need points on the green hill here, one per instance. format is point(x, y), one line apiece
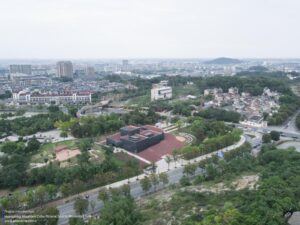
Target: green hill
point(224, 60)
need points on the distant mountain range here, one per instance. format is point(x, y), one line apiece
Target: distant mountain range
point(224, 60)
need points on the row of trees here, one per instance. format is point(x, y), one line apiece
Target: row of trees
point(211, 145)
point(62, 182)
point(153, 181)
point(119, 208)
point(95, 126)
point(232, 163)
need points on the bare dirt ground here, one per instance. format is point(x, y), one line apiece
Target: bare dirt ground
point(249, 181)
point(67, 154)
point(157, 205)
point(179, 138)
point(94, 154)
point(163, 195)
point(239, 184)
point(246, 182)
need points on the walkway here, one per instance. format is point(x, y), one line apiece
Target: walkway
point(162, 165)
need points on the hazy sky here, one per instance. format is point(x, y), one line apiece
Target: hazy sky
point(149, 28)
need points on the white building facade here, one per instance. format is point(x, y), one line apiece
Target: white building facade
point(161, 91)
point(41, 98)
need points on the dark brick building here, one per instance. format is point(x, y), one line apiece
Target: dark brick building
point(136, 139)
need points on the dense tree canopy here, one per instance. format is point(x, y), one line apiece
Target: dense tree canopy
point(252, 84)
point(31, 125)
point(266, 138)
point(94, 126)
point(220, 114)
point(6, 94)
point(219, 141)
point(202, 129)
point(120, 210)
point(275, 135)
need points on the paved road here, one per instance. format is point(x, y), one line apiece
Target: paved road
point(289, 126)
point(255, 141)
point(67, 209)
point(284, 132)
point(136, 191)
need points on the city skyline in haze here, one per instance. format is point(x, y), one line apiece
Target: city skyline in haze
point(149, 29)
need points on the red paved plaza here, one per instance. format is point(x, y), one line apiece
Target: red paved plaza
point(166, 146)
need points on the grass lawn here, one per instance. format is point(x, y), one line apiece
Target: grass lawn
point(69, 162)
point(47, 150)
point(97, 153)
point(143, 100)
point(122, 158)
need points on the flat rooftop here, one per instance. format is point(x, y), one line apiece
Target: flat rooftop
point(130, 127)
point(134, 138)
point(147, 132)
